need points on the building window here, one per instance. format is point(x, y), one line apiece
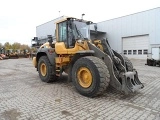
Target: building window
point(134, 52)
point(125, 52)
point(129, 52)
point(145, 52)
point(139, 52)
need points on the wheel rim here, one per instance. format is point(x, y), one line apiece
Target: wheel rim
point(43, 69)
point(84, 77)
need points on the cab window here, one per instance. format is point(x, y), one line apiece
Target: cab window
point(62, 32)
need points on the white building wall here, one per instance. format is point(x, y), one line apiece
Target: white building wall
point(47, 28)
point(147, 22)
point(157, 26)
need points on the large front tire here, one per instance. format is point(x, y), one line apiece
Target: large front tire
point(90, 76)
point(46, 70)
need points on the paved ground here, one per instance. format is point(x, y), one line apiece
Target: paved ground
point(24, 97)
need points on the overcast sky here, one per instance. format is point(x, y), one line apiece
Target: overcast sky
point(19, 18)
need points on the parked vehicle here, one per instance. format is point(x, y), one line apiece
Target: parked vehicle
point(153, 58)
point(11, 53)
point(3, 54)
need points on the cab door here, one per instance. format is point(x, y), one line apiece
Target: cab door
point(61, 35)
point(64, 37)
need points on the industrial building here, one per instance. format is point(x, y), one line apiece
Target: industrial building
point(133, 35)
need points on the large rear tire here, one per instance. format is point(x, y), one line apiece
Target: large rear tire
point(90, 76)
point(46, 70)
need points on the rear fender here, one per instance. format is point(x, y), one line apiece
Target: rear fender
point(49, 52)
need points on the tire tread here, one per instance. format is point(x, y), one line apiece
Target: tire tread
point(102, 71)
point(51, 77)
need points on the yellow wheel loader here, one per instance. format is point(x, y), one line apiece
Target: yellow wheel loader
point(90, 64)
point(3, 54)
point(11, 53)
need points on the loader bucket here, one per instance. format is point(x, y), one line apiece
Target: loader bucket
point(121, 78)
point(130, 82)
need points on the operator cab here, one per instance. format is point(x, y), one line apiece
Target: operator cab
point(71, 29)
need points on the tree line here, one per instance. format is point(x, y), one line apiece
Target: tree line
point(15, 46)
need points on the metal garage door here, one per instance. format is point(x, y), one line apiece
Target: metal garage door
point(136, 46)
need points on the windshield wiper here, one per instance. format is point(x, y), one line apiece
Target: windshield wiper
point(79, 33)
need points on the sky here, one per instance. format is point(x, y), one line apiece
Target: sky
point(19, 18)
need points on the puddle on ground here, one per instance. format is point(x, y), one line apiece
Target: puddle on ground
point(58, 100)
point(64, 112)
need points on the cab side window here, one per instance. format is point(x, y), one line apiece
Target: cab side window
point(62, 32)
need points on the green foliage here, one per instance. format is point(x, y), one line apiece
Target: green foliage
point(15, 46)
